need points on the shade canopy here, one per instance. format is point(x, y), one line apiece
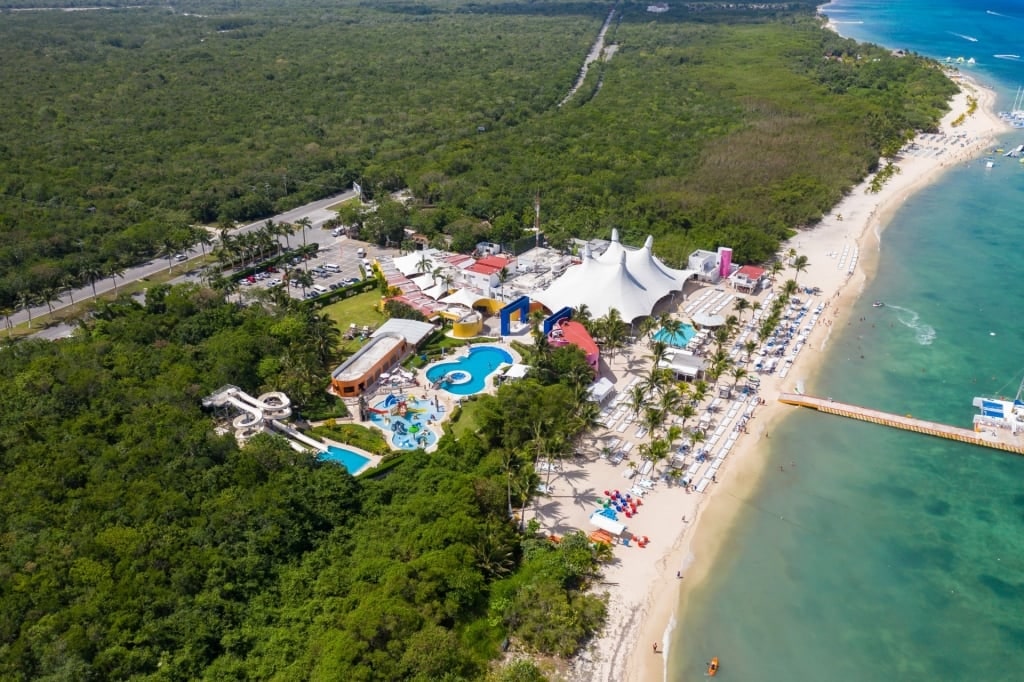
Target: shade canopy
point(629, 280)
point(707, 320)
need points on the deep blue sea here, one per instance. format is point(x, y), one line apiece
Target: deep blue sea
point(878, 554)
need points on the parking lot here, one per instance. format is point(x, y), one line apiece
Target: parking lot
point(336, 264)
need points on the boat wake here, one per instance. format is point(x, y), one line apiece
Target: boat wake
point(961, 35)
point(923, 333)
point(1011, 57)
point(997, 14)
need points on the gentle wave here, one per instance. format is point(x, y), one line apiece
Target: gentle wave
point(961, 35)
point(847, 22)
point(1007, 56)
point(923, 333)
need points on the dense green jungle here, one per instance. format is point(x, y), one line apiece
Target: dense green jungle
point(713, 123)
point(139, 543)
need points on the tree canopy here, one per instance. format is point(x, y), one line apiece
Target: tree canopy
point(710, 124)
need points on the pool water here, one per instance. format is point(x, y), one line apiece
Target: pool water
point(478, 365)
point(408, 420)
point(350, 460)
point(677, 340)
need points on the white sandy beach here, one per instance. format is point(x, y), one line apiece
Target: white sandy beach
point(644, 591)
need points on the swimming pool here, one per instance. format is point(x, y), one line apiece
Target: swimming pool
point(407, 419)
point(468, 374)
point(678, 339)
point(352, 461)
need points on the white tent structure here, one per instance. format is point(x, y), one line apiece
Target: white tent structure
point(463, 297)
point(628, 279)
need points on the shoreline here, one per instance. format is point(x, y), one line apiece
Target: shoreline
point(856, 221)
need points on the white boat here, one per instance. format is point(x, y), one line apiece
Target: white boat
point(1000, 412)
point(878, 304)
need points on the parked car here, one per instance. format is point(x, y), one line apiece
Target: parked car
point(295, 283)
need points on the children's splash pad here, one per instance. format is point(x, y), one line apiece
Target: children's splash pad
point(467, 375)
point(408, 420)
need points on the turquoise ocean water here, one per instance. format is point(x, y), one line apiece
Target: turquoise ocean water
point(878, 554)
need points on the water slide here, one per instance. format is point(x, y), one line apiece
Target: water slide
point(294, 435)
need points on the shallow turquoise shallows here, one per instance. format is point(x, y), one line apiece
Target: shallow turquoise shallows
point(352, 461)
point(479, 364)
point(880, 554)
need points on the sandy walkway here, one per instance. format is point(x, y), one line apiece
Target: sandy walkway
point(644, 590)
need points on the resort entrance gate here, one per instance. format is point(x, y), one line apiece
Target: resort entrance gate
point(555, 318)
point(520, 305)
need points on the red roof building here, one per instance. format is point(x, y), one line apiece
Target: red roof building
point(570, 331)
point(748, 279)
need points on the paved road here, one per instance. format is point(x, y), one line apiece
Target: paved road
point(316, 211)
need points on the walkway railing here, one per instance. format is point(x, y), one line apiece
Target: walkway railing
point(999, 440)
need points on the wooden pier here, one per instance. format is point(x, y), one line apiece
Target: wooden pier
point(999, 440)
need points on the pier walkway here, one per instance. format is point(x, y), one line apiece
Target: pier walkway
point(1000, 439)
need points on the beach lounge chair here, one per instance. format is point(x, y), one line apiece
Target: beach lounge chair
point(628, 472)
point(637, 491)
point(646, 483)
point(617, 457)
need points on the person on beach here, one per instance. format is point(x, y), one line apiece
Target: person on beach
point(655, 647)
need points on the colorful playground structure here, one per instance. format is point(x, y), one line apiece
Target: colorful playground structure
point(407, 419)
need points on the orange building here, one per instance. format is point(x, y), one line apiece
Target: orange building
point(391, 344)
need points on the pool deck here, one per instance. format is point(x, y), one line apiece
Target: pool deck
point(423, 391)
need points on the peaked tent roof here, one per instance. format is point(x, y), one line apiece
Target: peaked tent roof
point(630, 280)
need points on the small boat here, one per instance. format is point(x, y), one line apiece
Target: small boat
point(878, 304)
point(713, 667)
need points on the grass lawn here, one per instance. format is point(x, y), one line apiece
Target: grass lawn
point(359, 310)
point(467, 419)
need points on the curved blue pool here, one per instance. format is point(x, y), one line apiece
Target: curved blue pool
point(468, 375)
point(352, 461)
point(679, 339)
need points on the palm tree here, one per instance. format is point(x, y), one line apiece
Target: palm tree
point(646, 327)
point(738, 374)
point(741, 305)
point(323, 335)
point(69, 282)
point(789, 289)
point(113, 270)
point(800, 264)
point(26, 299)
point(304, 279)
point(749, 347)
point(228, 247)
point(659, 349)
point(700, 391)
point(636, 399)
point(92, 271)
point(169, 247)
point(48, 295)
point(775, 268)
point(423, 264)
point(503, 276)
point(7, 312)
point(582, 315)
point(201, 236)
point(286, 230)
point(305, 224)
